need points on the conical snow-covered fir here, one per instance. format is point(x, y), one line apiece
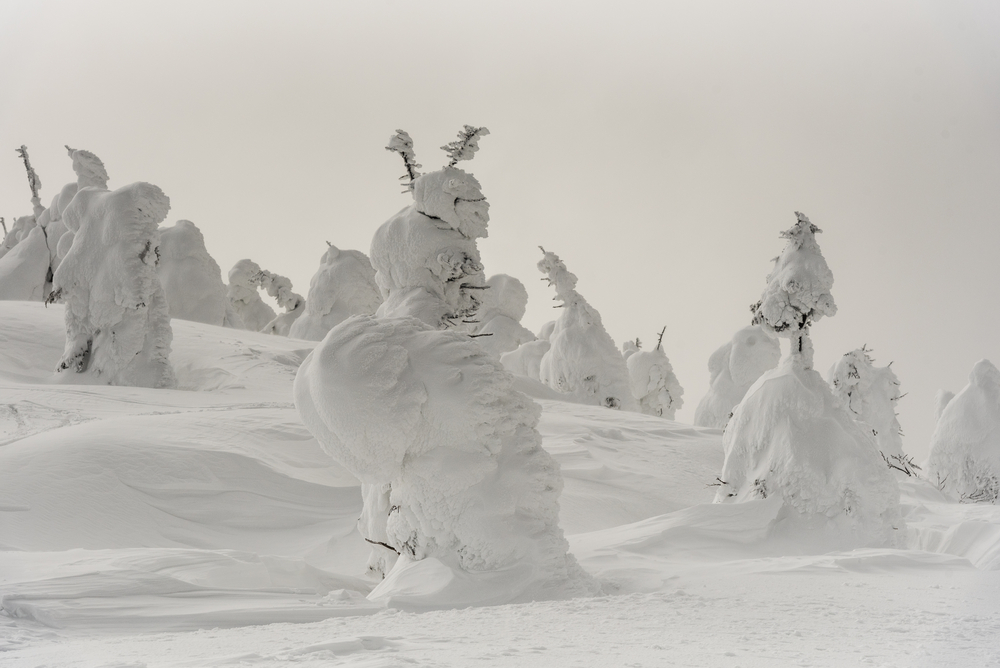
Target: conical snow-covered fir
point(244, 298)
point(790, 440)
point(732, 370)
point(344, 285)
point(798, 290)
point(191, 278)
point(654, 383)
point(117, 323)
point(965, 446)
point(870, 393)
point(583, 360)
point(499, 329)
point(460, 499)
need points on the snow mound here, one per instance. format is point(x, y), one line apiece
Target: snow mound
point(430, 414)
point(117, 324)
point(965, 446)
point(654, 383)
point(583, 361)
point(344, 285)
point(191, 278)
point(733, 369)
point(790, 438)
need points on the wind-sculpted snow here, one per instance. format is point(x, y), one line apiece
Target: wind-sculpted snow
point(733, 369)
point(117, 324)
point(344, 285)
point(791, 439)
point(191, 278)
point(432, 415)
point(965, 446)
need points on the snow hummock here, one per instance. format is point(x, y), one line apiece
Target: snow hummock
point(499, 329)
point(965, 446)
point(344, 285)
point(733, 369)
point(583, 360)
point(191, 278)
point(117, 324)
point(654, 383)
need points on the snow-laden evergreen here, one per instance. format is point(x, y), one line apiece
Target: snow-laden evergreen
point(344, 285)
point(461, 501)
point(630, 347)
point(583, 360)
point(244, 296)
point(790, 438)
point(526, 359)
point(117, 324)
point(870, 393)
point(280, 288)
point(965, 446)
point(654, 383)
point(499, 329)
point(24, 268)
point(733, 369)
point(191, 278)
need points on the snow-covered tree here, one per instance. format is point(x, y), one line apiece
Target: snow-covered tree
point(791, 439)
point(117, 324)
point(941, 400)
point(583, 360)
point(191, 278)
point(654, 383)
point(631, 347)
point(870, 393)
point(343, 286)
point(526, 359)
point(499, 328)
point(733, 369)
point(965, 446)
point(244, 297)
point(280, 288)
point(453, 474)
point(798, 290)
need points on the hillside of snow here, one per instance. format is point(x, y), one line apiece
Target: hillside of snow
point(205, 526)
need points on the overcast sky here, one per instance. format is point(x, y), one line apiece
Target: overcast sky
point(658, 147)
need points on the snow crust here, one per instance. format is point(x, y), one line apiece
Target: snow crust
point(344, 285)
point(582, 361)
point(965, 446)
point(117, 323)
point(792, 440)
point(191, 278)
point(733, 369)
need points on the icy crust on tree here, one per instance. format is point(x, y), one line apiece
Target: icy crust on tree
point(583, 360)
point(117, 324)
point(425, 257)
point(965, 446)
point(23, 270)
point(191, 278)
point(798, 289)
point(500, 314)
point(654, 383)
point(431, 424)
point(294, 304)
point(870, 393)
point(343, 286)
point(244, 298)
point(733, 369)
point(791, 438)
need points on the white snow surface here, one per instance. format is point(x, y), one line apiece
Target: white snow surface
point(965, 446)
point(733, 369)
point(204, 526)
point(583, 360)
point(344, 285)
point(117, 324)
point(191, 278)
point(790, 441)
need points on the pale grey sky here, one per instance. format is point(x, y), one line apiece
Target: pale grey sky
point(658, 147)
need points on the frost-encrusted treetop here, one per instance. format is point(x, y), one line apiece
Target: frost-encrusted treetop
point(90, 171)
point(798, 290)
point(402, 144)
point(465, 147)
